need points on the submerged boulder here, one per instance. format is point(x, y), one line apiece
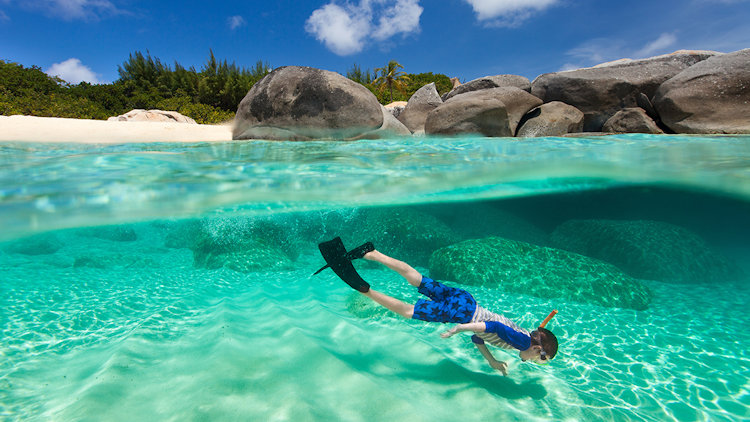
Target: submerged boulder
point(646, 249)
point(240, 243)
point(420, 104)
point(489, 82)
point(519, 267)
point(551, 119)
point(712, 96)
point(248, 255)
point(302, 103)
point(404, 232)
point(631, 120)
point(489, 112)
point(600, 91)
point(39, 244)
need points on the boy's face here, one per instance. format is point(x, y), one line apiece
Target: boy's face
point(535, 352)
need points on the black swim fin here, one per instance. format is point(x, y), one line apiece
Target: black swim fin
point(340, 261)
point(356, 253)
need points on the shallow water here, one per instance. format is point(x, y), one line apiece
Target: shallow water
point(138, 322)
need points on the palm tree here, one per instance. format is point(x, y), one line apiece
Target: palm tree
point(390, 77)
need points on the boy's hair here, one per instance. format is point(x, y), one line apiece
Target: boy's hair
point(549, 342)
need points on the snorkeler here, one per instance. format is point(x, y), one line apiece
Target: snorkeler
point(445, 305)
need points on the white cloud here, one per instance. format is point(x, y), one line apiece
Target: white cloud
point(507, 12)
point(73, 9)
point(235, 22)
point(3, 17)
point(658, 46)
point(342, 30)
point(403, 17)
point(73, 71)
point(346, 29)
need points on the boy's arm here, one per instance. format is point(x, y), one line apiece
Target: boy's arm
point(478, 327)
point(494, 363)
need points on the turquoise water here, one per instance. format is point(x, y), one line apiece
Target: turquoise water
point(173, 281)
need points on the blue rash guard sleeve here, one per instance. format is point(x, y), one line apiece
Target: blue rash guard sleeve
point(517, 339)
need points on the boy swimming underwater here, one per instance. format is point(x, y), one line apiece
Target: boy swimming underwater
point(448, 305)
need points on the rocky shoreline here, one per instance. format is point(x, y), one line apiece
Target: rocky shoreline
point(692, 92)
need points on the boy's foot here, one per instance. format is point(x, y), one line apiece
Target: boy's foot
point(360, 251)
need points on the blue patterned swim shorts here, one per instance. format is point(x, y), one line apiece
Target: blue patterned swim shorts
point(447, 304)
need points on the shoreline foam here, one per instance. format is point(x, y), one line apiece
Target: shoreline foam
point(62, 130)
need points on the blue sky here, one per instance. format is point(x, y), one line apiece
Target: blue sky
point(88, 39)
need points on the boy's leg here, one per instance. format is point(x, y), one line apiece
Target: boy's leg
point(405, 270)
point(404, 309)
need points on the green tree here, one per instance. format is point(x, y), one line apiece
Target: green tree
point(31, 92)
point(218, 84)
point(391, 77)
point(358, 75)
point(443, 83)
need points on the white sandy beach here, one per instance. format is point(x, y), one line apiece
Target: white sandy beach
point(59, 130)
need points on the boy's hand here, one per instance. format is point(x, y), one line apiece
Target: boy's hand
point(450, 332)
point(500, 366)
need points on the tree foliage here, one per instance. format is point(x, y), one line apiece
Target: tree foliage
point(362, 77)
point(390, 77)
point(210, 95)
point(442, 82)
point(32, 92)
point(214, 90)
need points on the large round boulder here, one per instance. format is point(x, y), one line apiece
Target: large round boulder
point(519, 267)
point(551, 119)
point(631, 120)
point(600, 91)
point(489, 112)
point(489, 82)
point(712, 96)
point(646, 249)
point(302, 103)
point(420, 104)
